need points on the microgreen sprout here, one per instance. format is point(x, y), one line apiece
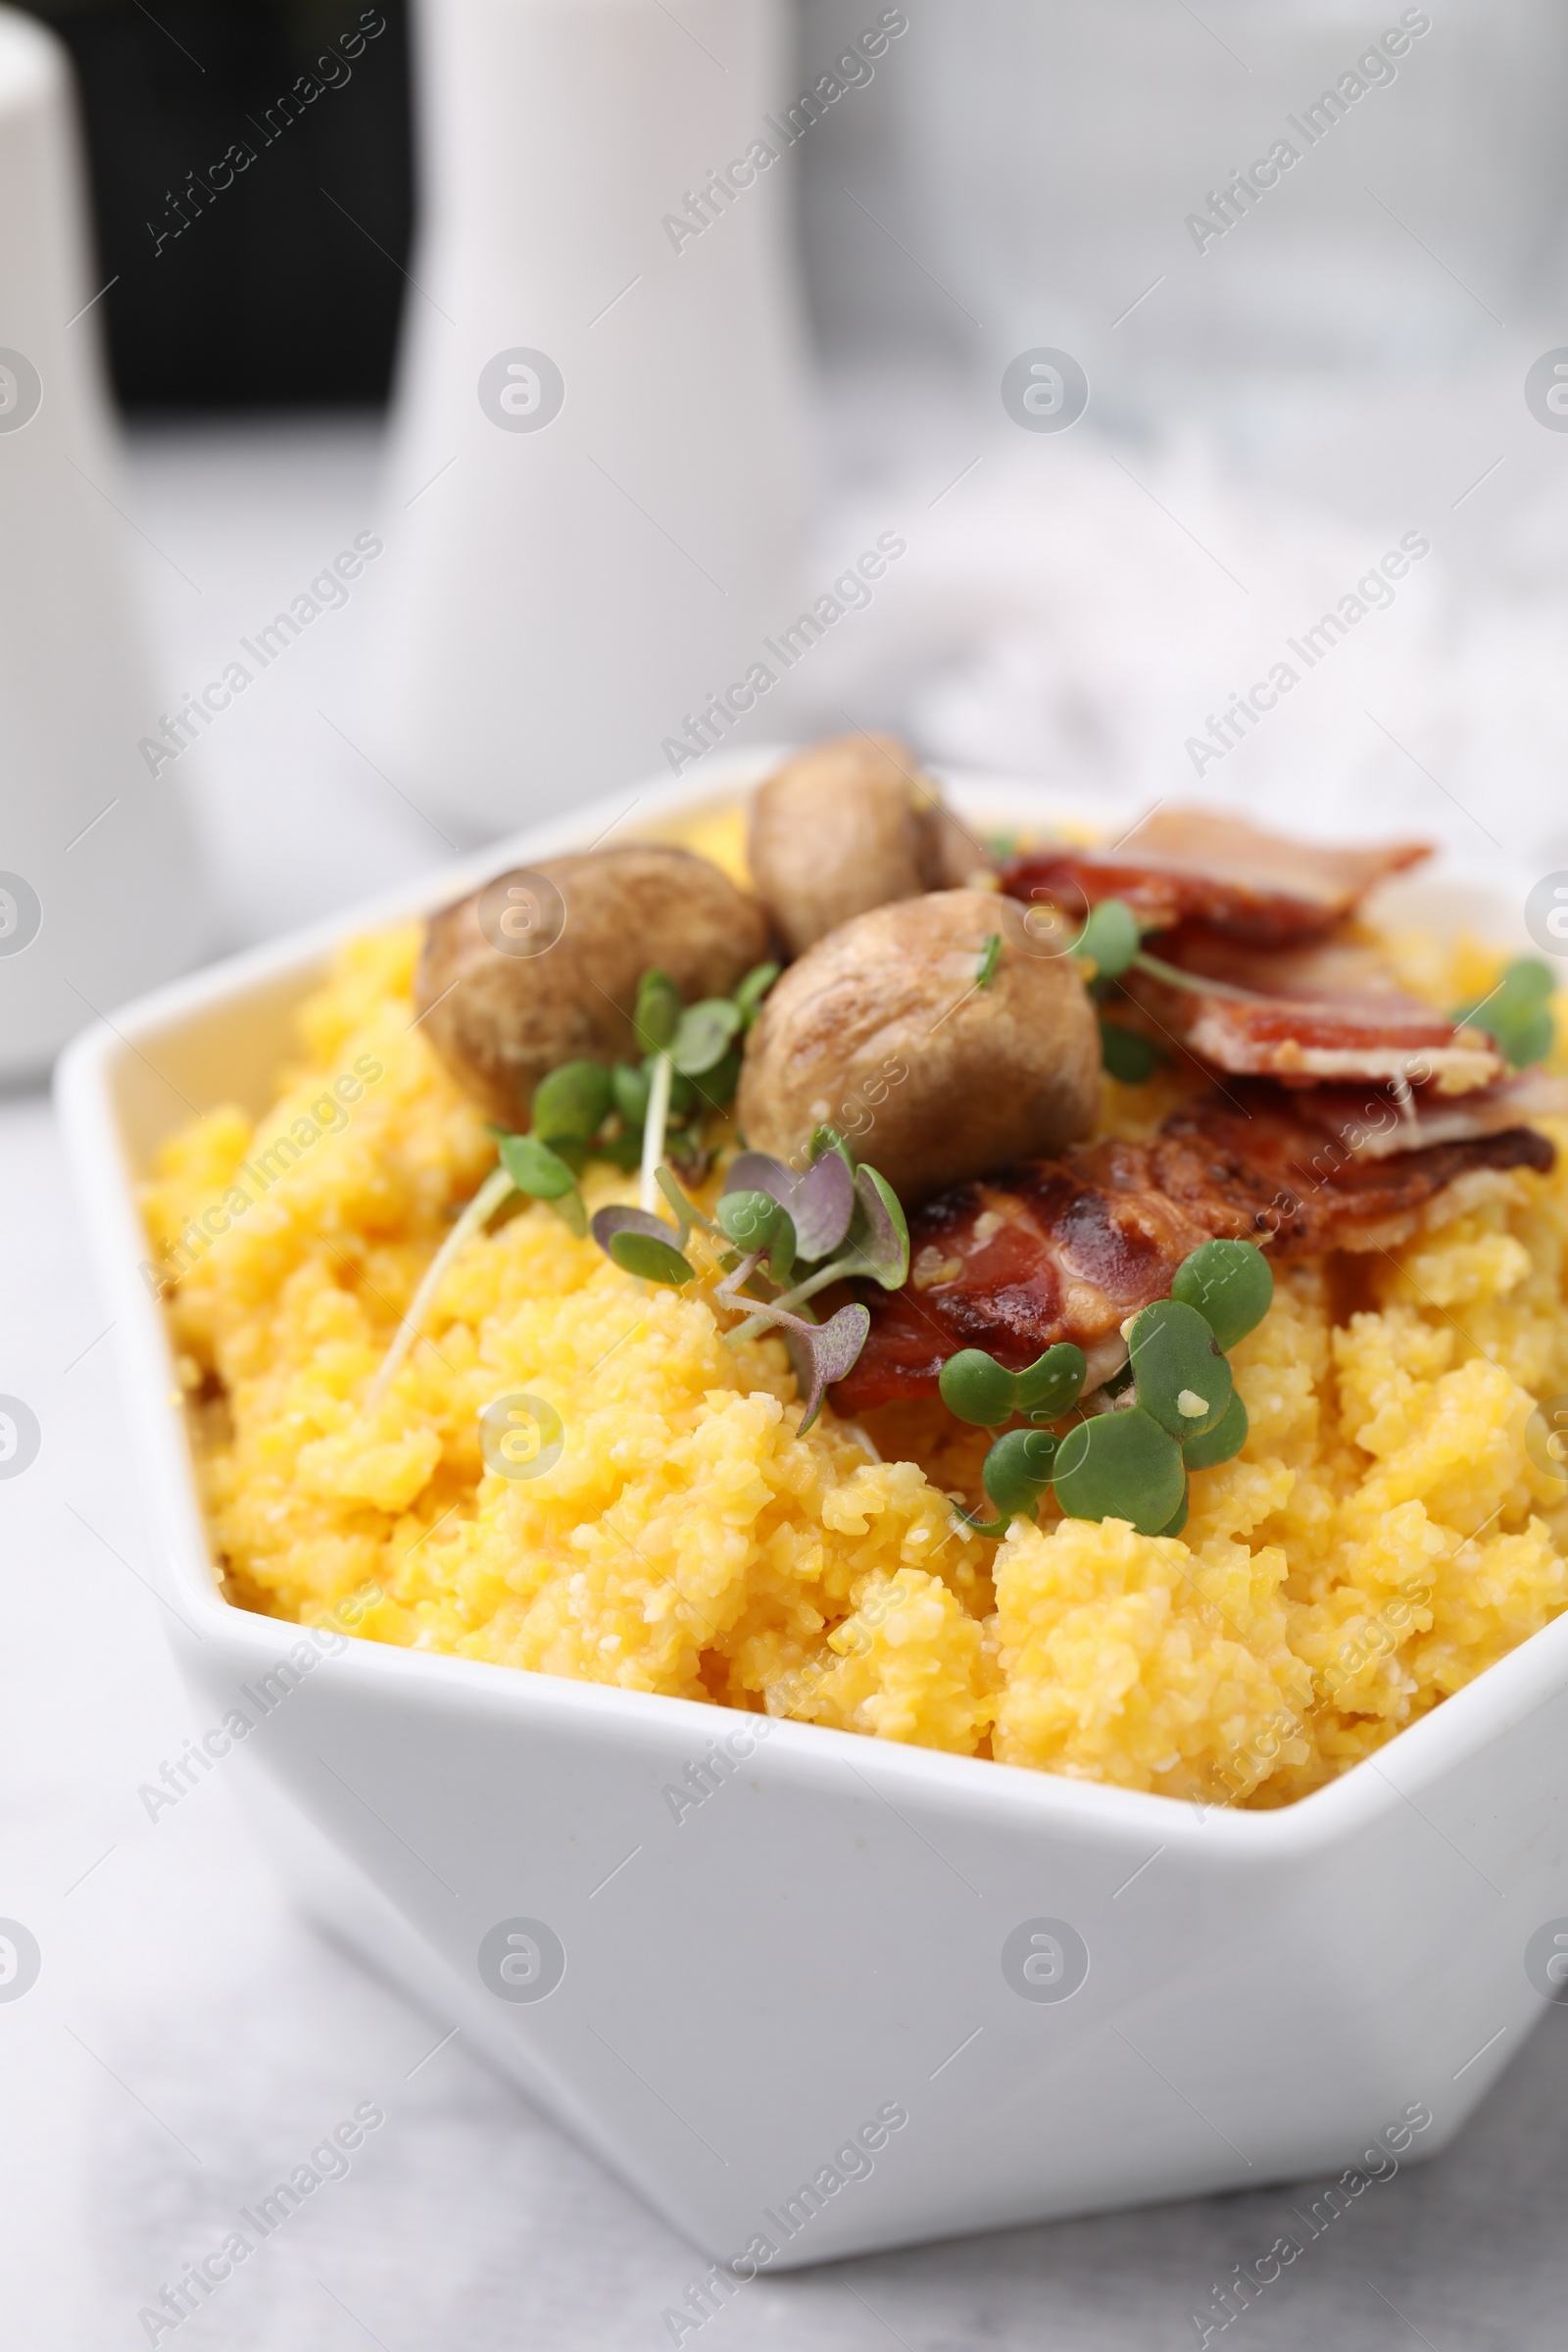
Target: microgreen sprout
point(572, 1104)
point(989, 958)
point(1220, 1444)
point(980, 1390)
point(497, 1187)
point(1230, 1282)
point(1110, 938)
point(826, 1225)
point(1109, 945)
point(1175, 1409)
point(643, 1245)
point(1016, 1475)
point(1131, 1058)
point(748, 998)
point(1120, 1466)
point(1517, 1015)
point(690, 1055)
point(1180, 1376)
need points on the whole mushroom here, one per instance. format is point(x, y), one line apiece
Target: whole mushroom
point(540, 966)
point(936, 1035)
point(849, 825)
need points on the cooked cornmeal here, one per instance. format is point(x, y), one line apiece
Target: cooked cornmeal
point(1381, 1538)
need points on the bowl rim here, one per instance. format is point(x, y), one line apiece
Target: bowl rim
point(1416, 1759)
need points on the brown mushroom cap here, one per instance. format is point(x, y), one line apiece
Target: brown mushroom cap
point(541, 967)
point(849, 825)
point(881, 1030)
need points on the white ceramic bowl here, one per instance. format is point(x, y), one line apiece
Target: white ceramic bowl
point(834, 1938)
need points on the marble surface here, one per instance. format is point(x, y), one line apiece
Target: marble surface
point(188, 2035)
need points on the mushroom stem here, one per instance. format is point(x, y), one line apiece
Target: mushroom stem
point(654, 1126)
point(481, 1210)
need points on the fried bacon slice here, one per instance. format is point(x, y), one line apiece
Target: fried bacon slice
point(1327, 1009)
point(1197, 865)
point(1069, 1248)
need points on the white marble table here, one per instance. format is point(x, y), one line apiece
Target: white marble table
point(188, 2035)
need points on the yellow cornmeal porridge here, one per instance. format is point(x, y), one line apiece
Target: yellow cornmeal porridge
point(1381, 1538)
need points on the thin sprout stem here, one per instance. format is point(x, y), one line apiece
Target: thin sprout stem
point(481, 1210)
point(1174, 977)
point(654, 1126)
point(791, 1299)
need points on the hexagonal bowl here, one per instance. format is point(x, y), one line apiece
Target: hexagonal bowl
point(861, 1994)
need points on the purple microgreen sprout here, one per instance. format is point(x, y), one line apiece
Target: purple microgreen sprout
point(879, 1236)
point(823, 1352)
point(755, 1221)
point(820, 1203)
point(641, 1244)
point(820, 1352)
point(823, 1203)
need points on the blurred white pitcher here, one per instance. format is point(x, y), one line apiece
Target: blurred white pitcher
point(597, 481)
point(98, 897)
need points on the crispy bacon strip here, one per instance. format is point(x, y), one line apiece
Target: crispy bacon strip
point(1196, 864)
point(1067, 1250)
point(1326, 1010)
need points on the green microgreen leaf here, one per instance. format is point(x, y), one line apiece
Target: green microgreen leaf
point(687, 1212)
point(682, 1090)
point(1181, 1377)
point(649, 1260)
point(1052, 1385)
point(830, 1138)
point(716, 1087)
point(629, 1085)
point(1517, 1015)
point(752, 988)
point(703, 1034)
point(1231, 1284)
point(1019, 1469)
point(1120, 1466)
point(1110, 938)
point(643, 1245)
point(1221, 1444)
point(1130, 1057)
point(534, 1168)
point(991, 958)
point(657, 1013)
point(572, 1104)
point(1178, 1518)
point(623, 1152)
point(756, 1221)
point(978, 1389)
point(879, 1231)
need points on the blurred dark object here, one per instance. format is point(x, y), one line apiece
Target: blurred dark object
point(252, 194)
